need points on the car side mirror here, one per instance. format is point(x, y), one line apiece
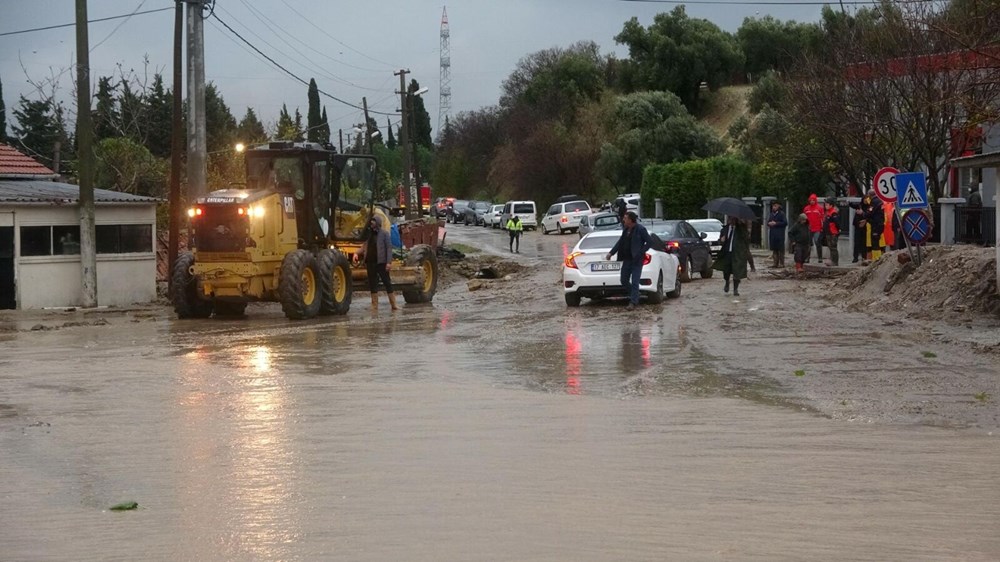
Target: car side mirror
point(704, 235)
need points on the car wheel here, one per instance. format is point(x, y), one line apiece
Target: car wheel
point(708, 271)
point(572, 299)
point(657, 297)
point(677, 289)
point(687, 270)
point(561, 231)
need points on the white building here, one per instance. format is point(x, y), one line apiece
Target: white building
point(40, 240)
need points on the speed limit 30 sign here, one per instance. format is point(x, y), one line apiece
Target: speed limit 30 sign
point(885, 184)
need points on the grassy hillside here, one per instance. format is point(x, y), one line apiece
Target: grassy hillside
point(722, 107)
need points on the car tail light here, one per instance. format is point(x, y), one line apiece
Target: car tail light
point(674, 245)
point(646, 259)
point(564, 219)
point(571, 260)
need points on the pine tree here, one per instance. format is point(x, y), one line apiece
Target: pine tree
point(220, 125)
point(132, 112)
point(105, 114)
point(285, 129)
point(159, 112)
point(3, 116)
point(390, 143)
point(313, 118)
point(299, 133)
point(372, 130)
point(251, 130)
point(39, 127)
point(324, 135)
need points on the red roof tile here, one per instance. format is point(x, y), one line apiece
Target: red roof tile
point(13, 163)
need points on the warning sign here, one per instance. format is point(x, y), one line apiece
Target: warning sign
point(913, 190)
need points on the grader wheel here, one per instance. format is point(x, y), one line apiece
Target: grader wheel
point(187, 303)
point(423, 255)
point(335, 282)
point(299, 285)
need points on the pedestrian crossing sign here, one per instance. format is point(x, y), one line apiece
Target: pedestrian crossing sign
point(912, 190)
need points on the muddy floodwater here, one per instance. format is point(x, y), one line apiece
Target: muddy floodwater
point(498, 425)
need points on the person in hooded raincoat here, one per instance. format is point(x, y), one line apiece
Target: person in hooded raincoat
point(377, 256)
point(735, 254)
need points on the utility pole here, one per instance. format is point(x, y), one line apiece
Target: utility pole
point(368, 133)
point(340, 133)
point(85, 158)
point(176, 146)
point(409, 188)
point(197, 144)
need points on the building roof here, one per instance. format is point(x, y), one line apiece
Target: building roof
point(37, 191)
point(14, 164)
point(988, 160)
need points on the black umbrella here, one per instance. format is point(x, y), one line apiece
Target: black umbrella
point(730, 206)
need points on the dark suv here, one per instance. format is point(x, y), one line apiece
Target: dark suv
point(456, 210)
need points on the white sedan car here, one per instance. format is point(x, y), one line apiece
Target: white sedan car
point(587, 274)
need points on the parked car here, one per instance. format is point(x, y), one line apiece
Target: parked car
point(712, 230)
point(565, 216)
point(599, 221)
point(587, 274)
point(440, 207)
point(687, 244)
point(525, 210)
point(493, 216)
point(456, 210)
point(474, 212)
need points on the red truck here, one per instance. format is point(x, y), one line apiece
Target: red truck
point(425, 197)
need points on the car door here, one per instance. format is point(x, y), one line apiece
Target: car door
point(698, 248)
point(551, 219)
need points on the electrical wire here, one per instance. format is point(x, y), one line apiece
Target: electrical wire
point(117, 27)
point(777, 3)
point(324, 32)
point(6, 33)
point(289, 72)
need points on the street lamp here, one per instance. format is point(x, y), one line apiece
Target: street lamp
point(240, 147)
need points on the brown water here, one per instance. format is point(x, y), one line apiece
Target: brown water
point(459, 431)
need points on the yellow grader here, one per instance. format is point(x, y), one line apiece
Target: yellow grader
point(290, 237)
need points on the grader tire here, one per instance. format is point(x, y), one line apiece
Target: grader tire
point(335, 282)
point(185, 298)
point(299, 285)
point(423, 255)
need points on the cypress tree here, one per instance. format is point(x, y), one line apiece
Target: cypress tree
point(314, 121)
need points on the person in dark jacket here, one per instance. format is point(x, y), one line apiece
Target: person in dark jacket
point(831, 229)
point(801, 242)
point(776, 224)
point(860, 223)
point(631, 250)
point(377, 255)
point(875, 215)
point(735, 254)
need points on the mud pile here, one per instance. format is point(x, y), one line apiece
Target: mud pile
point(480, 270)
point(952, 282)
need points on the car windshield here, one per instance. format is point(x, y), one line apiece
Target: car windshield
point(482, 206)
point(577, 206)
point(665, 230)
point(597, 242)
point(524, 208)
point(707, 226)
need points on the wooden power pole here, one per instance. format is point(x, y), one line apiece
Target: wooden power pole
point(176, 146)
point(410, 197)
point(85, 158)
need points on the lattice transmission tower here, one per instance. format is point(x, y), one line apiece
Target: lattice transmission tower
point(444, 100)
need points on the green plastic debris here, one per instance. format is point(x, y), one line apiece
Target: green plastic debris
point(125, 506)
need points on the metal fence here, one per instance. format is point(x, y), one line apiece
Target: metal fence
point(975, 225)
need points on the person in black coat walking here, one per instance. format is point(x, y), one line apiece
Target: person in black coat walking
point(776, 224)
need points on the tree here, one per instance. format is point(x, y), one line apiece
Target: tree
point(390, 143)
point(220, 125)
point(314, 120)
point(132, 113)
point(324, 130)
point(251, 130)
point(299, 132)
point(3, 116)
point(555, 83)
point(678, 54)
point(770, 44)
point(651, 128)
point(421, 120)
point(127, 166)
point(106, 119)
point(159, 116)
point(40, 126)
point(464, 158)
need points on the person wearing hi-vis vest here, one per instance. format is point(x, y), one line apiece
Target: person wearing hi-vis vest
point(514, 228)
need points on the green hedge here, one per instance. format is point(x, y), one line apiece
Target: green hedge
point(686, 186)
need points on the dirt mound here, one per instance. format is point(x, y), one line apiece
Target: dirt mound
point(952, 282)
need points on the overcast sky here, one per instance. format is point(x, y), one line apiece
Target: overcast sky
point(350, 48)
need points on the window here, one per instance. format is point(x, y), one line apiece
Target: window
point(66, 240)
point(598, 242)
point(524, 209)
point(36, 240)
point(554, 209)
point(124, 238)
point(578, 206)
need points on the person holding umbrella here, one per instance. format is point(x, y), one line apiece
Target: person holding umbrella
point(735, 254)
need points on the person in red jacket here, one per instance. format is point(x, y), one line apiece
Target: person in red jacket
point(814, 212)
point(831, 229)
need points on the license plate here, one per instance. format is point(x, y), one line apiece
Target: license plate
point(606, 266)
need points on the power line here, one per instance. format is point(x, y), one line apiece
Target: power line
point(119, 26)
point(324, 32)
point(776, 3)
point(4, 34)
point(289, 72)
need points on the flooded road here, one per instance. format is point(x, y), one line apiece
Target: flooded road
point(491, 425)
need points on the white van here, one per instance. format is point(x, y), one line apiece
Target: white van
point(565, 216)
point(525, 210)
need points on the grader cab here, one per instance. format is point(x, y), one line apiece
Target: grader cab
point(290, 236)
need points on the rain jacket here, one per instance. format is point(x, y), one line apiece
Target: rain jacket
point(639, 243)
point(515, 225)
point(814, 212)
point(383, 244)
point(799, 234)
point(831, 223)
point(735, 251)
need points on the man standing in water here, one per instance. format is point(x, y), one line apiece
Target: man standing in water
point(631, 249)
